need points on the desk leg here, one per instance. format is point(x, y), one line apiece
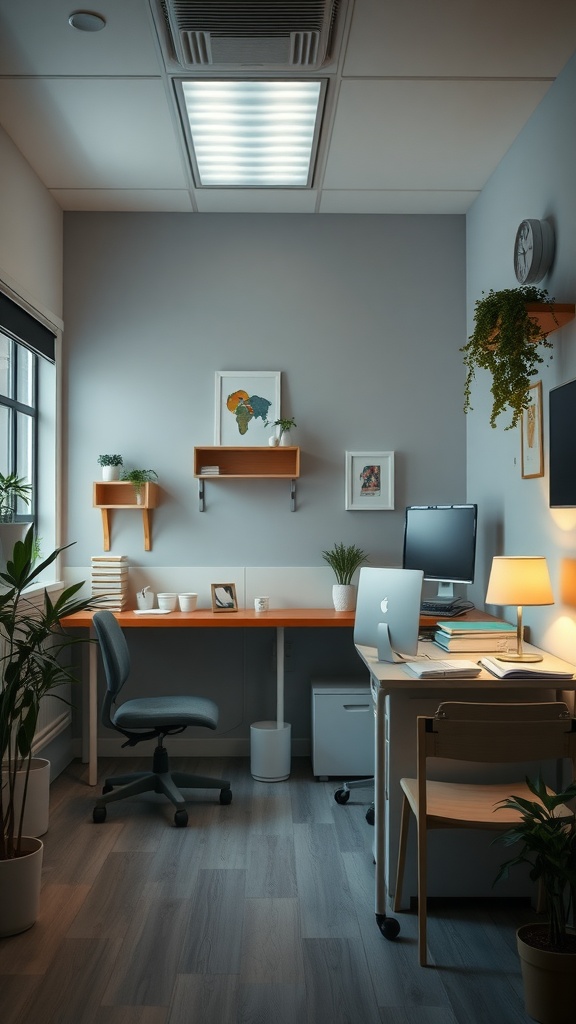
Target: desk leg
point(270, 741)
point(90, 714)
point(387, 925)
point(279, 677)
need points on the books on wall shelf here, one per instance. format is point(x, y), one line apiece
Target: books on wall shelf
point(109, 580)
point(475, 636)
point(209, 470)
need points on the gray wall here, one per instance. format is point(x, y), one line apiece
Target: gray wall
point(536, 180)
point(363, 315)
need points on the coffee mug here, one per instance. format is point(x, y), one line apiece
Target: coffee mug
point(187, 602)
point(145, 599)
point(261, 604)
point(167, 601)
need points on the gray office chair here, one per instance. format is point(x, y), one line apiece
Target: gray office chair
point(145, 718)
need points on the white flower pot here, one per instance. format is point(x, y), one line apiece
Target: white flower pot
point(285, 439)
point(37, 810)
point(20, 880)
point(9, 534)
point(110, 472)
point(344, 597)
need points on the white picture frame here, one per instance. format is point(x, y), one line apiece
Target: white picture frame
point(369, 481)
point(245, 423)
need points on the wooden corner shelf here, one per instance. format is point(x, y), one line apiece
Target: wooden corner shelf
point(553, 319)
point(111, 494)
point(242, 462)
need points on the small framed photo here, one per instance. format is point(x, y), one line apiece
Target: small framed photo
point(532, 449)
point(247, 402)
point(224, 597)
point(369, 481)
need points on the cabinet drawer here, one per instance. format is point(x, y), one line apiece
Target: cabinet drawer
point(342, 730)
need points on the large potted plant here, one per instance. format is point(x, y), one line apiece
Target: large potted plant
point(547, 950)
point(344, 559)
point(31, 648)
point(506, 339)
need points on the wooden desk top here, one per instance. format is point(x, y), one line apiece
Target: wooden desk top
point(206, 618)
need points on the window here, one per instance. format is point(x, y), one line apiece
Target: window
point(19, 419)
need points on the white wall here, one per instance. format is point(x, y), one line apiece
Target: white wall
point(535, 180)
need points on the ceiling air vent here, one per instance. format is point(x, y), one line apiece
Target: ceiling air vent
point(252, 35)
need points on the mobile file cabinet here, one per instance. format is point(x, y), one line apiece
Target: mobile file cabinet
point(342, 728)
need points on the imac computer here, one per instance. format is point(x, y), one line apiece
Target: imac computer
point(388, 612)
point(441, 541)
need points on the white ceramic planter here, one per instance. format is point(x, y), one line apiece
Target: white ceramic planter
point(344, 597)
point(37, 810)
point(20, 880)
point(9, 534)
point(110, 472)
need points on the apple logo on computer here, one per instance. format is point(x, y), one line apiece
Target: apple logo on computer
point(384, 606)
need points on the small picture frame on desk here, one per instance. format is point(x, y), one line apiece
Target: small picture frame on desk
point(532, 451)
point(224, 597)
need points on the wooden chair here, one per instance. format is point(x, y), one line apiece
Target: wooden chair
point(489, 733)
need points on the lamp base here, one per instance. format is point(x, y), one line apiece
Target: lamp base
point(519, 657)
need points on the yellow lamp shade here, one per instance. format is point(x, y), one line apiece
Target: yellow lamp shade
point(520, 580)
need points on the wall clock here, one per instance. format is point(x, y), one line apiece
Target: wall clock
point(533, 250)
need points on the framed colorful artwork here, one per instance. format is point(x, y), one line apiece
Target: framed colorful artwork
point(247, 403)
point(532, 449)
point(369, 481)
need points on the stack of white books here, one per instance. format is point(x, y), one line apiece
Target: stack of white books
point(109, 580)
point(209, 470)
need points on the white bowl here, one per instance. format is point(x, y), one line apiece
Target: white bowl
point(188, 602)
point(167, 601)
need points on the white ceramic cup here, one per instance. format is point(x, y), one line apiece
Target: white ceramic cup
point(167, 601)
point(187, 602)
point(145, 601)
point(261, 604)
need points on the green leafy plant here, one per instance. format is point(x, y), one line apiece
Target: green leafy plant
point(344, 560)
point(138, 477)
point(549, 847)
point(284, 424)
point(110, 460)
point(12, 489)
point(32, 644)
point(505, 342)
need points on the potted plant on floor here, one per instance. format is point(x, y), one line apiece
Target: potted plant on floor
point(505, 341)
point(344, 559)
point(139, 477)
point(547, 950)
point(31, 649)
point(110, 466)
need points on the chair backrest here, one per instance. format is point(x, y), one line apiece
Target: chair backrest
point(115, 658)
point(498, 732)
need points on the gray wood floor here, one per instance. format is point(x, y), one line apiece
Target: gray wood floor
point(262, 911)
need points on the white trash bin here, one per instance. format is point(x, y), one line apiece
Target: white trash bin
point(270, 752)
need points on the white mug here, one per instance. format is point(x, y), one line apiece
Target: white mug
point(145, 599)
point(261, 604)
point(188, 602)
point(167, 601)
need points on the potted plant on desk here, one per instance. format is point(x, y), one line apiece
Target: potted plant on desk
point(547, 950)
point(31, 649)
point(344, 560)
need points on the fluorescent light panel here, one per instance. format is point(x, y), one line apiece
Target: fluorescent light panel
point(253, 134)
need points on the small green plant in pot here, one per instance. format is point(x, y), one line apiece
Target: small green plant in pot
point(13, 488)
point(110, 466)
point(344, 560)
point(546, 831)
point(505, 341)
point(139, 477)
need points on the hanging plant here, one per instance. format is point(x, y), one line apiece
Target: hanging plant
point(505, 341)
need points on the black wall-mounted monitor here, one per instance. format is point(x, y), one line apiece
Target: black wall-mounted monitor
point(562, 444)
point(441, 540)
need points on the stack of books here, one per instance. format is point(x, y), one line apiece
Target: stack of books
point(109, 579)
point(209, 470)
point(475, 636)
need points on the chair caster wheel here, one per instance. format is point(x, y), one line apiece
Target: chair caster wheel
point(388, 926)
point(181, 819)
point(99, 815)
point(226, 796)
point(342, 796)
point(370, 815)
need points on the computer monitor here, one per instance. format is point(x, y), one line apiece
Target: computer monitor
point(388, 611)
point(441, 540)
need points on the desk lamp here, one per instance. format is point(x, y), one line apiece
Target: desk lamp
point(519, 580)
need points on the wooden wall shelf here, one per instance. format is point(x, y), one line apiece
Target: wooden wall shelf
point(111, 494)
point(242, 462)
point(564, 312)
